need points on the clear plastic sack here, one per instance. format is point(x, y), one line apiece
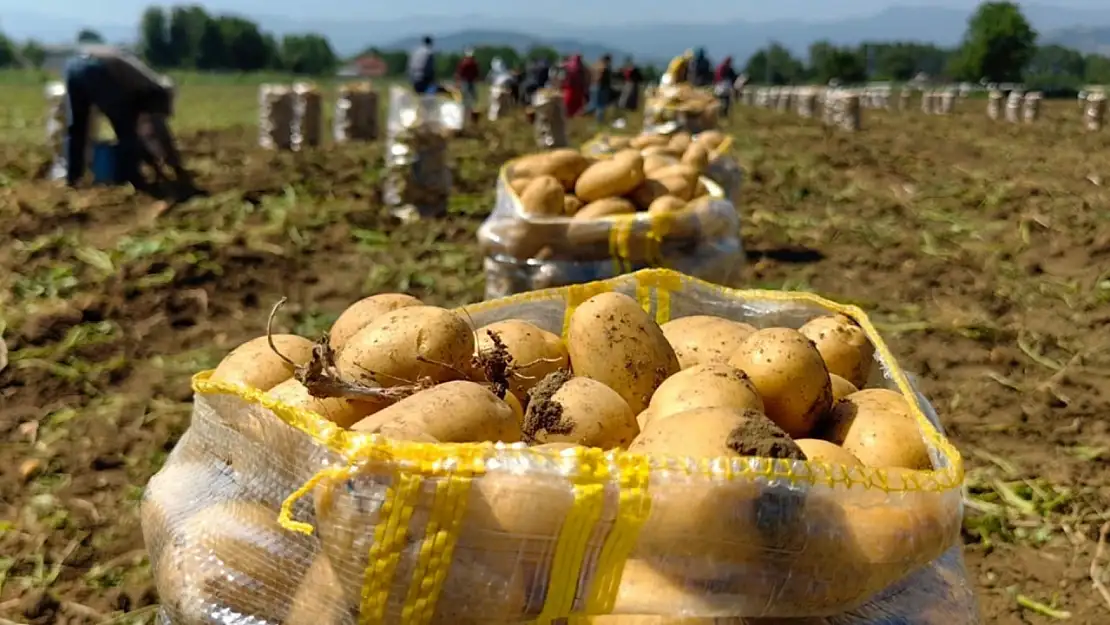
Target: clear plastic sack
point(526, 253)
point(308, 116)
point(356, 113)
point(681, 107)
point(418, 169)
point(268, 514)
point(275, 117)
point(550, 124)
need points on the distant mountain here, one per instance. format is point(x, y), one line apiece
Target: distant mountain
point(660, 41)
point(1089, 40)
point(459, 41)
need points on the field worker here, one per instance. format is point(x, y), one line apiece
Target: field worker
point(701, 70)
point(724, 79)
point(466, 75)
point(601, 87)
point(630, 90)
point(422, 67)
point(124, 89)
point(678, 69)
point(574, 85)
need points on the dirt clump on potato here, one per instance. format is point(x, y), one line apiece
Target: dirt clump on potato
point(545, 415)
point(760, 437)
point(495, 364)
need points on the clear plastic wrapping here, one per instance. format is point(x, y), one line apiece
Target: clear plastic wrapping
point(681, 107)
point(526, 253)
point(356, 113)
point(275, 117)
point(268, 514)
point(418, 170)
point(550, 124)
point(500, 101)
point(308, 116)
point(56, 124)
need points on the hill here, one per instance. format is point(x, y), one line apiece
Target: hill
point(1089, 40)
point(459, 41)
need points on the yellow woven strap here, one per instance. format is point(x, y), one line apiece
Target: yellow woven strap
point(578, 293)
point(620, 233)
point(632, 513)
point(437, 550)
point(389, 543)
point(659, 283)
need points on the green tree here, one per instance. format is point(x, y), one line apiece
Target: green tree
point(542, 52)
point(187, 26)
point(776, 66)
point(1096, 69)
point(33, 54)
point(211, 53)
point(244, 47)
point(827, 61)
point(88, 35)
point(8, 56)
point(308, 54)
point(154, 38)
point(998, 45)
point(1056, 70)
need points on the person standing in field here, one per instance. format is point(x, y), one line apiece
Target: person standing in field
point(126, 91)
point(422, 67)
point(701, 70)
point(574, 85)
point(630, 90)
point(724, 80)
point(466, 75)
point(601, 87)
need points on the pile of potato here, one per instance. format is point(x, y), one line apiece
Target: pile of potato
point(573, 205)
point(694, 110)
point(698, 386)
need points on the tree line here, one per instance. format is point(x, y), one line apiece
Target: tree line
point(999, 46)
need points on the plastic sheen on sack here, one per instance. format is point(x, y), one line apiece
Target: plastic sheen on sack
point(418, 170)
point(271, 515)
point(528, 253)
point(723, 168)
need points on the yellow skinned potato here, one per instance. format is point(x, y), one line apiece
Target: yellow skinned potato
point(876, 426)
point(653, 162)
point(790, 375)
point(611, 177)
point(843, 345)
point(566, 409)
point(565, 164)
point(680, 142)
point(824, 451)
point(712, 385)
point(254, 363)
point(661, 150)
point(543, 197)
point(645, 141)
point(605, 207)
point(535, 352)
point(518, 185)
point(701, 339)
point(407, 345)
point(678, 169)
point(362, 312)
point(636, 357)
point(841, 388)
point(571, 205)
point(452, 412)
point(320, 599)
point(665, 205)
point(711, 139)
point(342, 412)
point(696, 156)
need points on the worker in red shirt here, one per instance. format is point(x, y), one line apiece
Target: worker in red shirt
point(466, 75)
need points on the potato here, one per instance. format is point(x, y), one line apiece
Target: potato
point(451, 412)
point(701, 339)
point(841, 388)
point(179, 487)
point(844, 346)
point(571, 205)
point(661, 150)
point(565, 164)
point(255, 365)
point(518, 185)
point(678, 169)
point(653, 162)
point(665, 205)
point(606, 207)
point(342, 412)
point(823, 451)
point(711, 139)
point(696, 156)
point(647, 192)
point(566, 409)
point(694, 532)
point(619, 143)
point(680, 142)
point(644, 141)
point(320, 599)
point(362, 312)
point(679, 186)
point(645, 590)
point(712, 385)
point(543, 197)
point(790, 375)
point(876, 426)
point(407, 345)
point(477, 590)
point(223, 553)
point(612, 340)
point(616, 176)
point(535, 352)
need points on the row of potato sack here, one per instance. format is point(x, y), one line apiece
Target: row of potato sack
point(680, 107)
point(563, 217)
point(721, 168)
point(702, 387)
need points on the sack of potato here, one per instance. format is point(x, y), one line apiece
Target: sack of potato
point(549, 119)
point(681, 107)
point(308, 116)
point(275, 117)
point(650, 445)
point(418, 174)
point(564, 218)
point(356, 113)
point(718, 164)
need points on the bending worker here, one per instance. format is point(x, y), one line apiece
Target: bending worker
point(124, 89)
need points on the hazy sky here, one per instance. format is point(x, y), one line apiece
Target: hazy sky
point(126, 11)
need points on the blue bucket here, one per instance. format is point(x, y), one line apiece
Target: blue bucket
point(105, 163)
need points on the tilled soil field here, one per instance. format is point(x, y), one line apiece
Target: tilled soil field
point(983, 250)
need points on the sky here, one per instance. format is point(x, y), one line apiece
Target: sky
point(654, 11)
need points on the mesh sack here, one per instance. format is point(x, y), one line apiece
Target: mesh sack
point(723, 167)
point(418, 172)
point(356, 113)
point(275, 117)
point(308, 116)
point(681, 107)
point(550, 123)
point(266, 514)
point(56, 123)
point(525, 253)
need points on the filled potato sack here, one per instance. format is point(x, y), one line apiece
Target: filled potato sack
point(647, 449)
point(563, 217)
point(681, 107)
point(418, 170)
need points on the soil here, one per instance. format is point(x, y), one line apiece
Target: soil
point(544, 414)
point(761, 438)
point(982, 250)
